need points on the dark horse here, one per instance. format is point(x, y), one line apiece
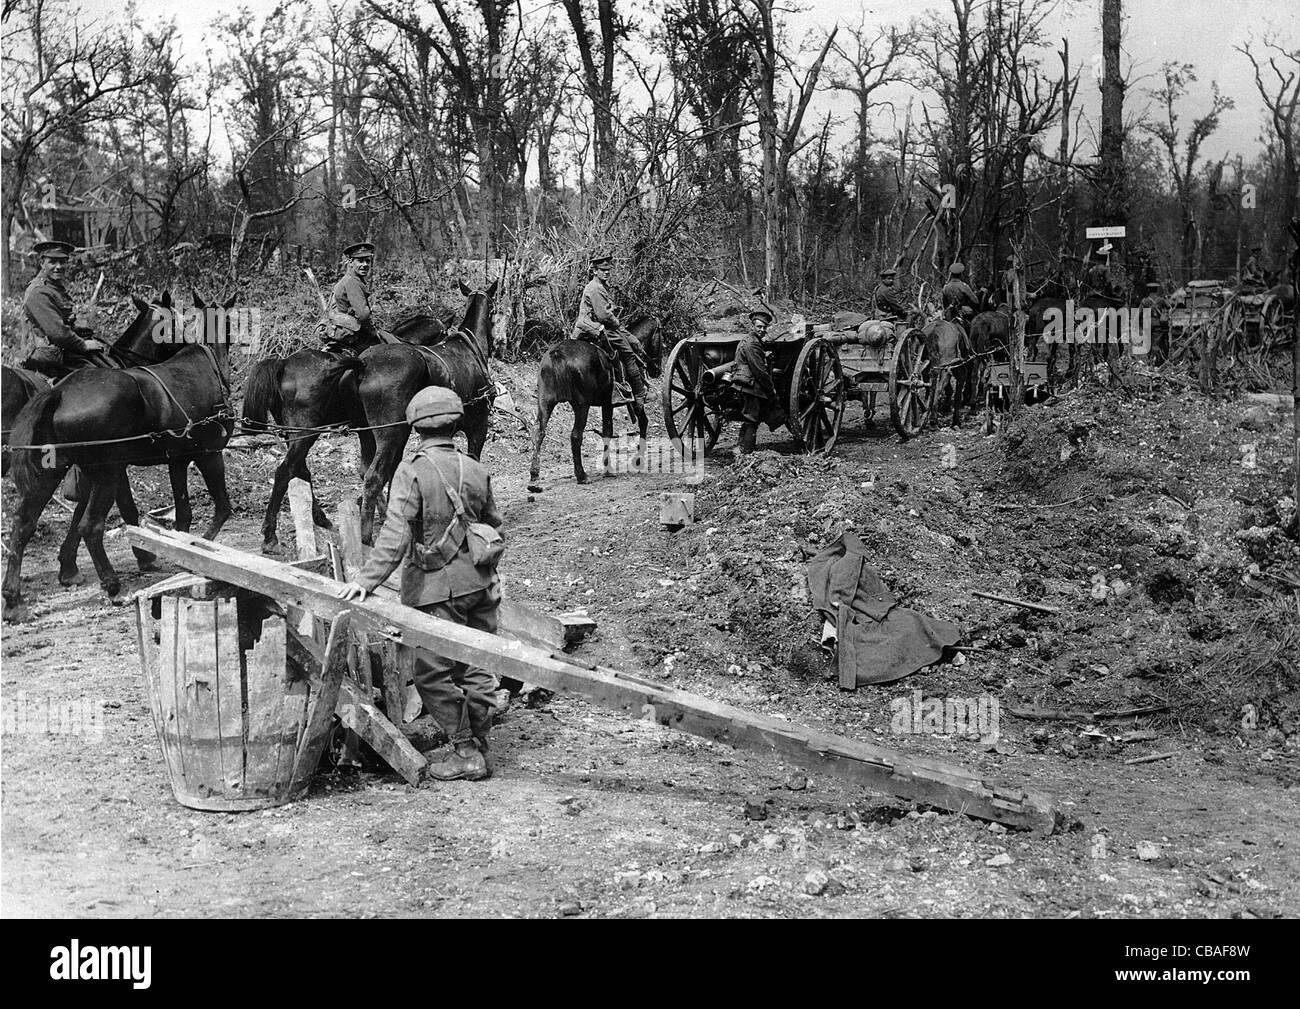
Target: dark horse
point(104, 420)
point(17, 386)
point(575, 372)
point(311, 390)
point(950, 349)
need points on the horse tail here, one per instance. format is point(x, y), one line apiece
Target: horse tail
point(262, 401)
point(33, 426)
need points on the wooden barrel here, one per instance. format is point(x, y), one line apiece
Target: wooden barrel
point(239, 726)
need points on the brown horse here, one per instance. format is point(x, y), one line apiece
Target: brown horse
point(17, 386)
point(170, 410)
point(955, 364)
point(577, 373)
point(392, 373)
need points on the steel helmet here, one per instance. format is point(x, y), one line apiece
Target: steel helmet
point(434, 406)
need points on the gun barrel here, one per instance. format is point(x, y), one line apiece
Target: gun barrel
point(712, 376)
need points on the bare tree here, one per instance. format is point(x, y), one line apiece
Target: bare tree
point(62, 76)
point(1277, 77)
point(1167, 130)
point(597, 70)
point(779, 127)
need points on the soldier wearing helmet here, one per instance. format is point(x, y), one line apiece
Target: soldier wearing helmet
point(440, 508)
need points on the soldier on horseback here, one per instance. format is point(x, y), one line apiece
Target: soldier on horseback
point(597, 322)
point(1253, 274)
point(959, 301)
point(69, 345)
point(350, 327)
point(752, 377)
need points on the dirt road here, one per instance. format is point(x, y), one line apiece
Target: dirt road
point(597, 815)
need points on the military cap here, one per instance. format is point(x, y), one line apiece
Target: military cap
point(601, 257)
point(886, 274)
point(761, 313)
point(434, 406)
point(1257, 248)
point(956, 270)
point(362, 250)
point(53, 250)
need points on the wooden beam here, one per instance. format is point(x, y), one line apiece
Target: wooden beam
point(893, 773)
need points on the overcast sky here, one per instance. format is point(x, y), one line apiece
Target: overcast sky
point(1201, 32)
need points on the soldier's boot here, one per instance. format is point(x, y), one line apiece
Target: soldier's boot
point(622, 391)
point(748, 435)
point(463, 762)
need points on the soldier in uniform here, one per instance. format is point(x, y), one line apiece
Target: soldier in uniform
point(1011, 291)
point(596, 316)
point(889, 299)
point(48, 306)
point(1253, 273)
point(959, 301)
point(1097, 278)
point(434, 498)
point(350, 327)
point(752, 377)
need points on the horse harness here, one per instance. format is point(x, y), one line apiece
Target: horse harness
point(189, 421)
point(485, 392)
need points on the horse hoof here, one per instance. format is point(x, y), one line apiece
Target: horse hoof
point(534, 488)
point(271, 547)
point(582, 479)
point(112, 588)
point(70, 578)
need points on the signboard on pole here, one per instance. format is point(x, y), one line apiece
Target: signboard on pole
point(1113, 231)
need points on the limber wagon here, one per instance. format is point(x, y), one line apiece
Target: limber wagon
point(816, 370)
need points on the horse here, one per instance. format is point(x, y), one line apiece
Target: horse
point(390, 374)
point(17, 386)
point(304, 393)
point(172, 410)
point(950, 348)
point(577, 373)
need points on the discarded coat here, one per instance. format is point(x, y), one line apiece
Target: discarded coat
point(879, 641)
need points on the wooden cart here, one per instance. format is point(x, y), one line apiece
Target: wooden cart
point(815, 372)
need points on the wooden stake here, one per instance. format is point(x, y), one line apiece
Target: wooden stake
point(1036, 607)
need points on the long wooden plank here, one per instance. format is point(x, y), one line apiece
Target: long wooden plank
point(875, 767)
point(230, 693)
point(200, 684)
point(384, 737)
point(304, 526)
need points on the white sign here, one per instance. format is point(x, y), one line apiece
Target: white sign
point(1114, 231)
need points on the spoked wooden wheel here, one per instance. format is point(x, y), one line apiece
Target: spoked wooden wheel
point(1275, 330)
point(816, 397)
point(688, 414)
point(912, 384)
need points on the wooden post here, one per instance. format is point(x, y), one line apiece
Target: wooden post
point(866, 764)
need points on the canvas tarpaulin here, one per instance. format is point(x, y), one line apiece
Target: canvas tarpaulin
point(879, 641)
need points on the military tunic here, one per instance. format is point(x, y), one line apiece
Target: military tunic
point(751, 376)
point(49, 311)
point(458, 695)
point(596, 316)
point(889, 302)
point(351, 297)
point(958, 295)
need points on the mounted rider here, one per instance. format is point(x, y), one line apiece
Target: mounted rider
point(753, 379)
point(888, 299)
point(1253, 274)
point(598, 323)
point(442, 528)
point(1097, 280)
point(69, 345)
point(350, 327)
point(959, 301)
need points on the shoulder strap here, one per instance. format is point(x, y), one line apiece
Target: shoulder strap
point(454, 497)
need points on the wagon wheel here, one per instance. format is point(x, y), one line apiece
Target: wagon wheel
point(1273, 327)
point(912, 384)
point(1235, 335)
point(687, 410)
point(816, 397)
